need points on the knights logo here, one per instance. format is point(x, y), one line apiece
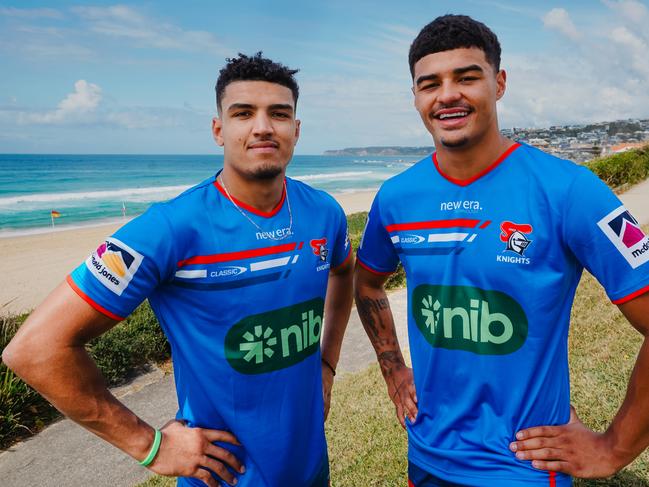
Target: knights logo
point(319, 247)
point(514, 235)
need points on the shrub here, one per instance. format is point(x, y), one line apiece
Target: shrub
point(119, 353)
point(621, 170)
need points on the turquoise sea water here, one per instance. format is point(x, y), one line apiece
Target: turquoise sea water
point(91, 189)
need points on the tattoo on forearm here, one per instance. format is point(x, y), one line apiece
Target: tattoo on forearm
point(377, 320)
point(390, 361)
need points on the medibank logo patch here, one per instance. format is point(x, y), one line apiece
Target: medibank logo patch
point(625, 233)
point(114, 264)
point(469, 318)
point(276, 339)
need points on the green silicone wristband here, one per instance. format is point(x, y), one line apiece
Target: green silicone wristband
point(154, 449)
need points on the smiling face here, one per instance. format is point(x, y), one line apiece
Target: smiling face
point(257, 128)
point(455, 94)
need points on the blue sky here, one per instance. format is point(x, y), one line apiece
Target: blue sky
point(138, 77)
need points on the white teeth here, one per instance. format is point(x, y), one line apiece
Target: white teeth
point(453, 115)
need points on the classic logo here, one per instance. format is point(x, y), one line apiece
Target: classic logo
point(625, 233)
point(319, 247)
point(228, 271)
point(469, 318)
point(514, 235)
point(411, 239)
point(114, 264)
point(276, 339)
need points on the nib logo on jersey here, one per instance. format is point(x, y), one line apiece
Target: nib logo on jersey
point(276, 339)
point(515, 236)
point(625, 233)
point(114, 264)
point(469, 318)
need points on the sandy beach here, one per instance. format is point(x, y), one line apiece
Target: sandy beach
point(32, 265)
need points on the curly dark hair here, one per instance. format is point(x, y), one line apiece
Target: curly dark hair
point(255, 68)
point(453, 32)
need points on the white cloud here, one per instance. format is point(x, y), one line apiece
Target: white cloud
point(121, 21)
point(631, 10)
point(30, 13)
point(83, 100)
point(559, 19)
point(85, 107)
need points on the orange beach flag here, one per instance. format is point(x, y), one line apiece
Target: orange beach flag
point(56, 214)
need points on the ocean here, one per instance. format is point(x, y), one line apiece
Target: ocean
point(95, 189)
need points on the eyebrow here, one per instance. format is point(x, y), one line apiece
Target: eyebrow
point(248, 106)
point(456, 71)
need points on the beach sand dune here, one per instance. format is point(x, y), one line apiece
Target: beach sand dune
point(32, 265)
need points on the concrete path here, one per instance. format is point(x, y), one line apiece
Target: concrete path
point(66, 455)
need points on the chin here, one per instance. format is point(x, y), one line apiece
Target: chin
point(265, 172)
point(454, 142)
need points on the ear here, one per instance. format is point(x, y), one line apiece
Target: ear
point(297, 129)
point(501, 84)
point(217, 130)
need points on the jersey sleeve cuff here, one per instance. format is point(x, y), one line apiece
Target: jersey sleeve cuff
point(371, 269)
point(90, 301)
point(631, 296)
point(349, 254)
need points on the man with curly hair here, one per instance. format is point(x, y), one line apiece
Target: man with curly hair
point(246, 272)
point(494, 236)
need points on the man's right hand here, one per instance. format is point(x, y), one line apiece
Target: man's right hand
point(190, 452)
point(401, 388)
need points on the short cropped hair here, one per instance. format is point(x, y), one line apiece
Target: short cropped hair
point(454, 32)
point(254, 68)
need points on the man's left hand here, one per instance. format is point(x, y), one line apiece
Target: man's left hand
point(571, 448)
point(327, 384)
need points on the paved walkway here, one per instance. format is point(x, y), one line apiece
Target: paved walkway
point(66, 455)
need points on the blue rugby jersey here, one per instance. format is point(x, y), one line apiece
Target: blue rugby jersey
point(492, 265)
point(243, 314)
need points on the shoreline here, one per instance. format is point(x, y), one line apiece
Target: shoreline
point(34, 263)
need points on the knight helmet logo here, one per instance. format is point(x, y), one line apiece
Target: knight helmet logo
point(514, 235)
point(319, 247)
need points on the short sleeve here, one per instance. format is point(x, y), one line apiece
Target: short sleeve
point(128, 266)
point(376, 251)
point(606, 239)
point(341, 248)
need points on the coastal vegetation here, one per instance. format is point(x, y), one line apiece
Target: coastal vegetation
point(622, 170)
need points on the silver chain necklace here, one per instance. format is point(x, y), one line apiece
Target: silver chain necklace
point(269, 234)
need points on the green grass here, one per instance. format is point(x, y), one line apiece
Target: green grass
point(619, 171)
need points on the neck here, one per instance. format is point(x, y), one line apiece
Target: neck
point(468, 161)
point(262, 194)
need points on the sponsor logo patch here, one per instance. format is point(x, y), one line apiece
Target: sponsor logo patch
point(625, 233)
point(469, 318)
point(276, 339)
point(114, 264)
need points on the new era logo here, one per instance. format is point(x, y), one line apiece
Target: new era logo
point(625, 233)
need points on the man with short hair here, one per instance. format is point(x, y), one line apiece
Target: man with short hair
point(493, 236)
point(236, 269)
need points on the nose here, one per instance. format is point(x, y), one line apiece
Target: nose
point(448, 93)
point(263, 125)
